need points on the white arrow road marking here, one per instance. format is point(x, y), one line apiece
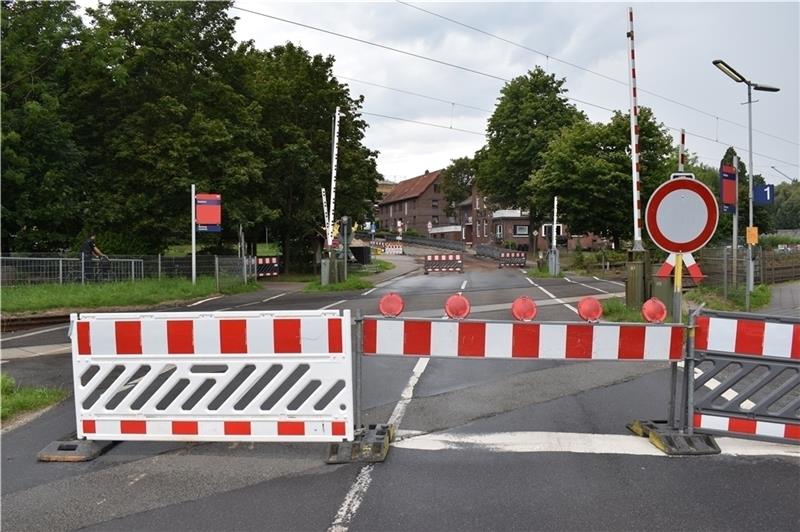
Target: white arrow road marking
point(569, 442)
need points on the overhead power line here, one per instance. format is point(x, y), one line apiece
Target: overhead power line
point(459, 67)
point(434, 98)
point(588, 70)
point(425, 123)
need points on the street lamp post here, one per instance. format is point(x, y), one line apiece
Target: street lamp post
point(738, 78)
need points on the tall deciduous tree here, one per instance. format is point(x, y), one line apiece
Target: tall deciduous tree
point(787, 206)
point(41, 160)
point(457, 182)
point(530, 112)
point(588, 167)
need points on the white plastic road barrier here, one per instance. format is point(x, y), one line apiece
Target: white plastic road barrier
point(393, 248)
point(512, 258)
point(747, 426)
point(444, 263)
point(266, 266)
point(756, 337)
point(500, 339)
point(222, 376)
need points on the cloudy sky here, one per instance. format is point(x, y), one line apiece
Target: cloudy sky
point(675, 44)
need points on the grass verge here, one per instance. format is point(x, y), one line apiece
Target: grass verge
point(34, 298)
point(355, 280)
point(17, 400)
point(615, 309)
point(714, 299)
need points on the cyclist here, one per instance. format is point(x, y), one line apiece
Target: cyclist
point(89, 250)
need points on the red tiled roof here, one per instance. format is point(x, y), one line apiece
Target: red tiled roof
point(411, 188)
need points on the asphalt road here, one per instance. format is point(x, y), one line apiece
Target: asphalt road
point(484, 445)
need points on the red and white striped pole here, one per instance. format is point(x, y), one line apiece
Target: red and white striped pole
point(637, 200)
point(682, 151)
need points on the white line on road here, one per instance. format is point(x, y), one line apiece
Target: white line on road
point(549, 294)
point(568, 442)
point(368, 292)
point(358, 490)
point(333, 304)
point(203, 301)
point(34, 333)
point(463, 285)
point(531, 281)
point(608, 281)
point(274, 297)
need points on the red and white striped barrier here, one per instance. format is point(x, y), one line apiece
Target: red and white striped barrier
point(691, 265)
point(443, 263)
point(755, 337)
point(745, 426)
point(512, 258)
point(220, 376)
point(393, 248)
point(266, 266)
point(487, 339)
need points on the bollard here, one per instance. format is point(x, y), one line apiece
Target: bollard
point(216, 270)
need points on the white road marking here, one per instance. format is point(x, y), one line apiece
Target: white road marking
point(531, 281)
point(274, 297)
point(368, 292)
point(568, 442)
point(592, 287)
point(608, 281)
point(203, 301)
point(358, 490)
point(463, 285)
point(34, 333)
point(333, 304)
point(549, 294)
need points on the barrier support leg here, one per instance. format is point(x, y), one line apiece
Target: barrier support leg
point(370, 443)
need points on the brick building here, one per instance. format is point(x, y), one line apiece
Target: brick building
point(415, 202)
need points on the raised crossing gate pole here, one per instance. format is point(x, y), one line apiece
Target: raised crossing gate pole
point(358, 353)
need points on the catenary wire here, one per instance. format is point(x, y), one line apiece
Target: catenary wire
point(588, 70)
point(453, 65)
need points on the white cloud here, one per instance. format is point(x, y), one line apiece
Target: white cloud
point(675, 45)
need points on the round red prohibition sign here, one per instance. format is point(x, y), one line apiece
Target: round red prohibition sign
point(681, 215)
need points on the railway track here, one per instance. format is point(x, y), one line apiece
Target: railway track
point(31, 322)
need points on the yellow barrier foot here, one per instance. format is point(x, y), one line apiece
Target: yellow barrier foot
point(672, 442)
point(370, 444)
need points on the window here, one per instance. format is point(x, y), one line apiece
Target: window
point(435, 204)
point(436, 188)
point(435, 220)
point(498, 230)
point(520, 230)
point(391, 208)
point(405, 207)
point(485, 231)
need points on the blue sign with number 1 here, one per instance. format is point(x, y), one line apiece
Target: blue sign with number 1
point(764, 195)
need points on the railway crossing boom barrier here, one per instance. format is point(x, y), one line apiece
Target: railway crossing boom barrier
point(444, 263)
point(295, 376)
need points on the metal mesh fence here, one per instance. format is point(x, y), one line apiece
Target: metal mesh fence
point(21, 269)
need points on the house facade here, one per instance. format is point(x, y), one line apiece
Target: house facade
point(414, 203)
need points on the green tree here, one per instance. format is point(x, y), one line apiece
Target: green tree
point(457, 182)
point(588, 167)
point(156, 113)
point(41, 160)
point(530, 112)
point(787, 206)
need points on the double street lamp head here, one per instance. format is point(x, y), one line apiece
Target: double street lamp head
point(738, 78)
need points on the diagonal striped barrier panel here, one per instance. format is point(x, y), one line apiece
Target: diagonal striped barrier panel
point(266, 267)
point(393, 248)
point(747, 381)
point(220, 376)
point(512, 258)
point(501, 339)
point(444, 263)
